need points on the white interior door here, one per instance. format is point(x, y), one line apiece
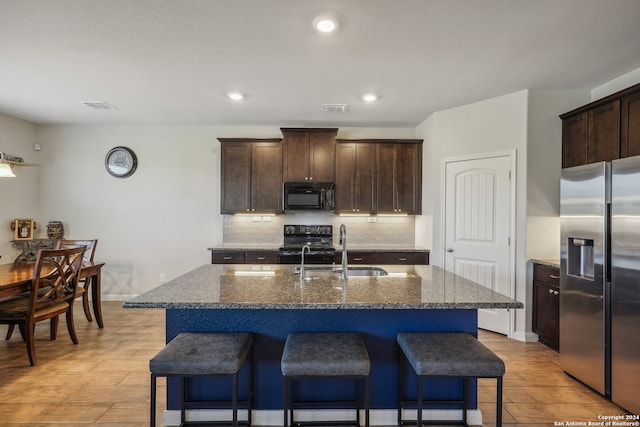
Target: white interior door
point(478, 218)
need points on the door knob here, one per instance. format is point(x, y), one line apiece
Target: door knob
point(450, 250)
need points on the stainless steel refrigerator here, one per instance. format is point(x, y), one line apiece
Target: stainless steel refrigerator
point(600, 278)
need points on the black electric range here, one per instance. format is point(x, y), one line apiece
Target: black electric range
point(318, 237)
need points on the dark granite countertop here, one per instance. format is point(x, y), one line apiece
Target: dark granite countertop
point(383, 248)
point(550, 262)
point(275, 246)
point(274, 286)
point(245, 247)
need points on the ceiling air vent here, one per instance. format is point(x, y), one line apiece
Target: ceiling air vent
point(99, 105)
point(334, 108)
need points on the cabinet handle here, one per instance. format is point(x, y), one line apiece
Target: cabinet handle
point(550, 291)
point(357, 259)
point(261, 258)
point(402, 259)
point(554, 276)
point(226, 257)
point(556, 292)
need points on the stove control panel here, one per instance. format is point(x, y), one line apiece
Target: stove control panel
point(308, 230)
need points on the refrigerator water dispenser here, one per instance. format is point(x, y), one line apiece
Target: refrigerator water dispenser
point(580, 261)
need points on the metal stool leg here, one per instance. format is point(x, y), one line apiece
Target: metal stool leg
point(153, 401)
point(499, 403)
point(419, 402)
point(285, 401)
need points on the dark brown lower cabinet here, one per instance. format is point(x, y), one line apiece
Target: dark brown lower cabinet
point(384, 257)
point(546, 303)
point(244, 257)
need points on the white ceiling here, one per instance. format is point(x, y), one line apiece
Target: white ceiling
point(173, 61)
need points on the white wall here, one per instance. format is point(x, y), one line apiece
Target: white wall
point(162, 219)
point(493, 125)
point(19, 197)
point(544, 163)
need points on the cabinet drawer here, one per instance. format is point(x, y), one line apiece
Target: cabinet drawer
point(410, 258)
point(261, 257)
point(235, 257)
point(360, 257)
point(547, 274)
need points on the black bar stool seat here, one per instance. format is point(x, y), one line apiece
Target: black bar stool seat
point(448, 355)
point(320, 355)
point(194, 354)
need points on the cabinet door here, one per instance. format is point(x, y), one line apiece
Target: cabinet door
point(266, 177)
point(235, 182)
point(309, 155)
point(385, 180)
point(355, 177)
point(295, 157)
point(603, 136)
point(574, 140)
point(399, 178)
point(546, 304)
point(545, 316)
point(322, 146)
point(630, 125)
point(345, 193)
point(365, 178)
point(409, 179)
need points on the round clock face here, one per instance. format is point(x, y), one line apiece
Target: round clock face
point(121, 162)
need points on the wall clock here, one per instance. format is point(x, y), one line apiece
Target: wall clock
point(121, 162)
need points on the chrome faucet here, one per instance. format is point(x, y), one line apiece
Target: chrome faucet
point(343, 241)
point(308, 248)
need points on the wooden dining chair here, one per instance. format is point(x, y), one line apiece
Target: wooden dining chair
point(83, 284)
point(54, 287)
point(83, 288)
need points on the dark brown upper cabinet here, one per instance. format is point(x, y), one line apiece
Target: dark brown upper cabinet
point(574, 140)
point(355, 177)
point(604, 130)
point(399, 177)
point(388, 183)
point(630, 125)
point(251, 175)
point(603, 137)
point(309, 154)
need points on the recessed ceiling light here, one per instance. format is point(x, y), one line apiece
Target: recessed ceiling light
point(236, 96)
point(99, 105)
point(325, 23)
point(369, 97)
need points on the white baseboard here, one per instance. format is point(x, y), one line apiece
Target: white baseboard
point(525, 336)
point(377, 417)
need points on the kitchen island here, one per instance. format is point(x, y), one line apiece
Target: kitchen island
point(271, 301)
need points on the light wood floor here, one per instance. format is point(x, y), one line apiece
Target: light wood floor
point(104, 380)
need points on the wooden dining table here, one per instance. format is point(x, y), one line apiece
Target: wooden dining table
point(16, 278)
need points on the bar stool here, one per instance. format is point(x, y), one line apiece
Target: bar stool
point(321, 355)
point(203, 354)
point(447, 355)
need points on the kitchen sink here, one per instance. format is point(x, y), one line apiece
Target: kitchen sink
point(315, 271)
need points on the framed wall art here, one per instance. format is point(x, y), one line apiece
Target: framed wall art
point(23, 229)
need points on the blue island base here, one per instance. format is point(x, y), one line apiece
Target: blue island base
point(379, 328)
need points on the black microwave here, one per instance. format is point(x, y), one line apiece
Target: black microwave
point(307, 196)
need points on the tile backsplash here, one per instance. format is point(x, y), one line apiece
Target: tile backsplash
point(386, 230)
